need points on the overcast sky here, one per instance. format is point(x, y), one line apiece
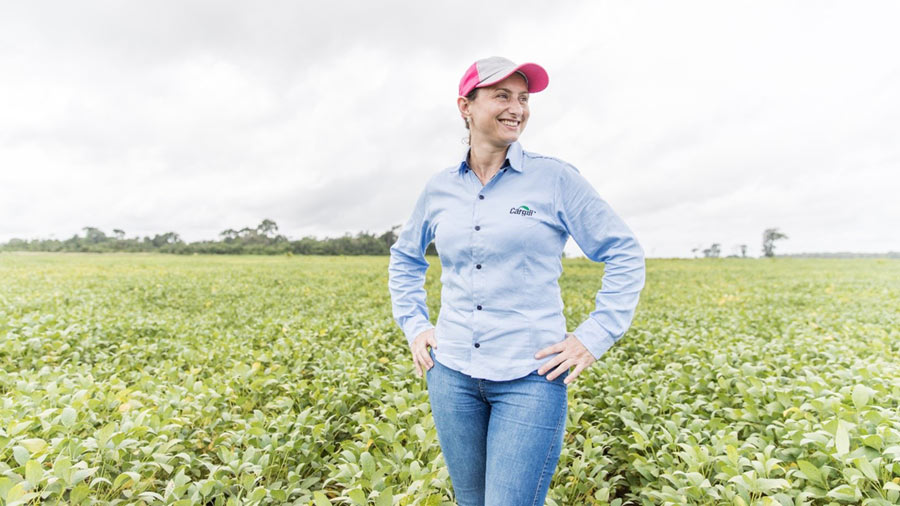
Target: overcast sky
point(699, 122)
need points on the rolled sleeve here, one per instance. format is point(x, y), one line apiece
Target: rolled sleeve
point(406, 272)
point(603, 237)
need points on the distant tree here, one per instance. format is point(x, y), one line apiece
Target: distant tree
point(93, 235)
point(266, 227)
point(713, 251)
point(389, 238)
point(695, 250)
point(228, 234)
point(167, 238)
point(120, 234)
point(769, 237)
point(743, 250)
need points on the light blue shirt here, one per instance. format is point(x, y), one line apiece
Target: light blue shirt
point(500, 246)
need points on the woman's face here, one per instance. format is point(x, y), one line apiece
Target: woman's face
point(499, 112)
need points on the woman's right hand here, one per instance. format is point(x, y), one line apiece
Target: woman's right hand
point(421, 357)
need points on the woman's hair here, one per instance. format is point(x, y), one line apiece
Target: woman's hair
point(471, 96)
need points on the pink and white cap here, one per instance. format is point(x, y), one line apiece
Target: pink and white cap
point(488, 71)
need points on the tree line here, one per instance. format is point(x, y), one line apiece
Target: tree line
point(263, 239)
point(770, 235)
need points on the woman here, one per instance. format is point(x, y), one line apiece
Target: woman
point(500, 220)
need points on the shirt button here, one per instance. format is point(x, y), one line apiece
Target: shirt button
point(477, 227)
point(477, 345)
point(478, 266)
point(478, 307)
point(481, 197)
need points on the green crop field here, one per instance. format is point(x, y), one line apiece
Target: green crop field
point(154, 379)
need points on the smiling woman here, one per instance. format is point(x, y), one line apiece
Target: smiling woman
point(500, 219)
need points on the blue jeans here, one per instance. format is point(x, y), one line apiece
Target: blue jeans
point(501, 440)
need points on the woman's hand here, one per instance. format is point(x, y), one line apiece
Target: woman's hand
point(571, 352)
point(421, 358)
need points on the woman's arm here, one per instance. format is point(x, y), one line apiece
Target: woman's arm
point(603, 237)
point(406, 272)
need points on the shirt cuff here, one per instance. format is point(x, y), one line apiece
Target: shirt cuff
point(415, 326)
point(594, 337)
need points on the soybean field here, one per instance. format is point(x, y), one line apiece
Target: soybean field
point(225, 380)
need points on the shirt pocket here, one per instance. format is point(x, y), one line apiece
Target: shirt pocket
point(522, 230)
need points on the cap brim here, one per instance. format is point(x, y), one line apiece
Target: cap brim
point(535, 74)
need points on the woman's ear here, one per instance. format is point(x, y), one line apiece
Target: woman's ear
point(463, 104)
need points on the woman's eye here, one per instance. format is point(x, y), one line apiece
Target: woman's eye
point(503, 96)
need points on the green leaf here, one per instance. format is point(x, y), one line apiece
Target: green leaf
point(21, 455)
point(732, 454)
point(207, 487)
point(367, 463)
point(105, 433)
point(81, 474)
point(67, 418)
point(843, 493)
point(865, 466)
point(810, 471)
point(861, 396)
point(33, 472)
point(148, 496)
point(5, 485)
point(432, 500)
point(321, 499)
point(357, 496)
point(126, 479)
point(33, 445)
point(767, 485)
point(873, 440)
point(385, 497)
point(841, 439)
point(258, 494)
point(16, 428)
point(79, 493)
point(15, 493)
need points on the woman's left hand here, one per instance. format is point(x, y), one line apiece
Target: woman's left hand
point(571, 352)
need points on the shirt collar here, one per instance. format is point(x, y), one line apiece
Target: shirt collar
point(514, 159)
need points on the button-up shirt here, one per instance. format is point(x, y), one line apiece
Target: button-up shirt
point(500, 246)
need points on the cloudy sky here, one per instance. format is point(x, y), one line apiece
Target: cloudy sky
point(699, 122)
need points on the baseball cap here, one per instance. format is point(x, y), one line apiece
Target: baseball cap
point(488, 71)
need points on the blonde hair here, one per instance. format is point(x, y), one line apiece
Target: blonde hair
point(471, 96)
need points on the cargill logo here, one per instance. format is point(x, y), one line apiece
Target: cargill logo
point(523, 210)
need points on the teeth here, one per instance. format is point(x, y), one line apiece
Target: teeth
point(509, 122)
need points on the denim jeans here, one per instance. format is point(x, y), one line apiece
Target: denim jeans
point(501, 440)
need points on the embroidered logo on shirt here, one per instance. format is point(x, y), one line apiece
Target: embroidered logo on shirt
point(522, 210)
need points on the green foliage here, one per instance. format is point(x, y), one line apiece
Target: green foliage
point(261, 240)
point(153, 379)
